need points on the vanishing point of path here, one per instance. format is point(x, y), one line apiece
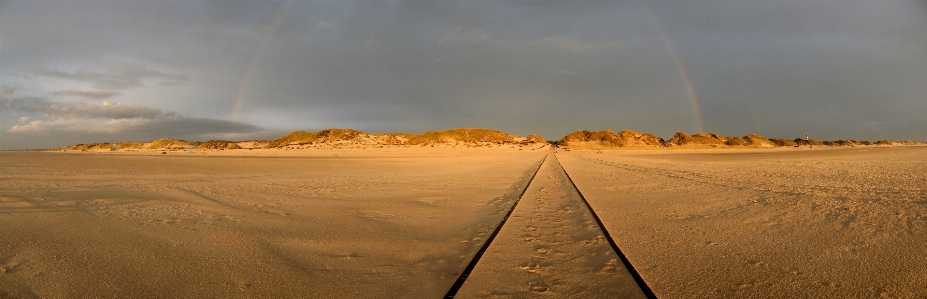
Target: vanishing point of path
point(552, 245)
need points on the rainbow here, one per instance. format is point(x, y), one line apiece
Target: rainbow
point(679, 64)
point(243, 84)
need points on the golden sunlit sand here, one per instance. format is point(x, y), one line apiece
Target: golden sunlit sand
point(822, 223)
point(406, 221)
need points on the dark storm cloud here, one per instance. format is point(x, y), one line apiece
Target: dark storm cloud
point(116, 77)
point(7, 90)
point(74, 121)
point(815, 66)
point(456, 71)
point(168, 125)
point(121, 118)
point(836, 70)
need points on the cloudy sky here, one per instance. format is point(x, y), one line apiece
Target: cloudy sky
point(94, 71)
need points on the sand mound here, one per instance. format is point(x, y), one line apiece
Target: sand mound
point(759, 141)
point(803, 142)
point(782, 142)
point(252, 144)
point(712, 140)
point(128, 145)
point(888, 142)
point(218, 144)
point(166, 144)
point(463, 136)
point(337, 137)
point(700, 140)
point(609, 139)
point(101, 146)
point(328, 136)
point(170, 144)
point(349, 138)
point(535, 138)
point(393, 138)
point(850, 143)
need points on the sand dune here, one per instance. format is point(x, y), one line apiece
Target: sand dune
point(608, 139)
point(327, 139)
point(470, 137)
point(627, 139)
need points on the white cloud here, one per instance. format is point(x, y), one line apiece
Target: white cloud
point(24, 119)
point(41, 127)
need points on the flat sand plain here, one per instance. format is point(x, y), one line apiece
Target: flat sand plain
point(312, 224)
point(404, 223)
point(785, 223)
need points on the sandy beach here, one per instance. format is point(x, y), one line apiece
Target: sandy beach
point(550, 247)
point(317, 225)
point(822, 223)
point(405, 222)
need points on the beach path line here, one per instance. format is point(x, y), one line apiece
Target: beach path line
point(553, 245)
point(479, 254)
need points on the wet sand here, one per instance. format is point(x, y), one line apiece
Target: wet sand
point(405, 222)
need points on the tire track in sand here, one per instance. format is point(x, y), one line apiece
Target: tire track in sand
point(554, 246)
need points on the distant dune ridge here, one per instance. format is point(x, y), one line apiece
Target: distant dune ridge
point(346, 136)
point(218, 144)
point(160, 144)
point(682, 139)
point(609, 139)
point(329, 138)
point(476, 137)
point(463, 136)
point(628, 139)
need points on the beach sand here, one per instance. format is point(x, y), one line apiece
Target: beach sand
point(405, 222)
point(786, 223)
point(311, 224)
point(551, 246)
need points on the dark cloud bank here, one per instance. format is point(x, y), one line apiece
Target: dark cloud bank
point(836, 70)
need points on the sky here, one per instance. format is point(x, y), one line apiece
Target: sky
point(112, 71)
